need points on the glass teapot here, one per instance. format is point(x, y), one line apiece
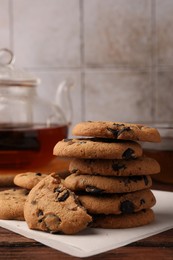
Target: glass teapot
point(29, 126)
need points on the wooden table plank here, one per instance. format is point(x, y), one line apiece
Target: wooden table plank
point(138, 250)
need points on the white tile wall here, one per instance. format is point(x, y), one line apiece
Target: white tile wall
point(119, 53)
point(164, 18)
point(4, 24)
point(46, 33)
point(117, 32)
point(116, 96)
point(164, 104)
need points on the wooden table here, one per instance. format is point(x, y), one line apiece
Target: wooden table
point(159, 247)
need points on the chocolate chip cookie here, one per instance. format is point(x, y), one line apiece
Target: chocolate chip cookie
point(97, 148)
point(12, 203)
point(53, 208)
point(28, 180)
point(118, 203)
point(136, 219)
point(117, 130)
point(116, 167)
point(96, 184)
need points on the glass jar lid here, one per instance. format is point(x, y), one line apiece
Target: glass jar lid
point(10, 76)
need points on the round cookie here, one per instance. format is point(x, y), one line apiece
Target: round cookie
point(12, 203)
point(28, 180)
point(97, 148)
point(136, 219)
point(116, 167)
point(100, 184)
point(117, 130)
point(118, 203)
point(53, 208)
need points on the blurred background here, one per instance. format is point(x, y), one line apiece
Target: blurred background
point(118, 53)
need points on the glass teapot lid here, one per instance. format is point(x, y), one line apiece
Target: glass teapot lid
point(10, 76)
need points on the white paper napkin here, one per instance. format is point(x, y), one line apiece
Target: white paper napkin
point(94, 241)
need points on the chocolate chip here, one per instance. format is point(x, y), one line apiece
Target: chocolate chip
point(38, 174)
point(93, 189)
point(58, 189)
point(142, 201)
point(117, 166)
point(52, 222)
point(56, 179)
point(127, 206)
point(113, 131)
point(117, 132)
point(145, 180)
point(74, 170)
point(125, 129)
point(64, 196)
point(82, 142)
point(40, 213)
point(128, 154)
point(129, 179)
point(26, 192)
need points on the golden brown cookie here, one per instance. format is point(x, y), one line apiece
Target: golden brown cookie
point(97, 148)
point(12, 203)
point(136, 219)
point(53, 208)
point(118, 203)
point(116, 167)
point(28, 180)
point(117, 130)
point(100, 184)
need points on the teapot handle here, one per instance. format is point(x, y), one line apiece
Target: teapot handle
point(6, 57)
point(63, 99)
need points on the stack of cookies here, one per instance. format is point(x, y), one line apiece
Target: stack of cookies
point(108, 185)
point(109, 173)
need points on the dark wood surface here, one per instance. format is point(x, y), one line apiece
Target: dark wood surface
point(160, 247)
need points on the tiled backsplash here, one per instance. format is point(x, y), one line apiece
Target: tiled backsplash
point(119, 53)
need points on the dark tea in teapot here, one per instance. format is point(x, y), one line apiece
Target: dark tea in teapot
point(163, 153)
point(29, 125)
point(28, 147)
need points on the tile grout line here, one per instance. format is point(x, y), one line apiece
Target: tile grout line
point(154, 60)
point(11, 25)
point(82, 54)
